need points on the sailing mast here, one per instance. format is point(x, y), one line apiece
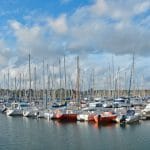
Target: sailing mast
point(113, 79)
point(143, 89)
point(48, 84)
point(118, 82)
point(15, 89)
point(8, 84)
point(20, 87)
point(29, 78)
point(60, 88)
point(4, 86)
point(131, 76)
point(44, 97)
point(35, 95)
point(78, 81)
point(65, 76)
point(53, 87)
point(48, 78)
point(93, 84)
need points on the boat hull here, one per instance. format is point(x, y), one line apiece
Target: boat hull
point(12, 112)
point(29, 113)
point(132, 119)
point(65, 117)
point(85, 117)
point(103, 118)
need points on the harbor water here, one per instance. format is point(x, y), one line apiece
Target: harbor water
point(19, 133)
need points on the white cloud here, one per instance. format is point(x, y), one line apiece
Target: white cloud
point(15, 25)
point(99, 8)
point(5, 54)
point(59, 25)
point(104, 28)
point(142, 7)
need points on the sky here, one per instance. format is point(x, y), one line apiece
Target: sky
point(103, 33)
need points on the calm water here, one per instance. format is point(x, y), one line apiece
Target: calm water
point(17, 133)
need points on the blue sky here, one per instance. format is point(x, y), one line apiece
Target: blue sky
point(95, 30)
point(16, 9)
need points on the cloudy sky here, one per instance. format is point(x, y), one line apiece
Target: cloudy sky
point(99, 31)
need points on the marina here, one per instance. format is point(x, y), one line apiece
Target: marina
point(74, 75)
point(88, 115)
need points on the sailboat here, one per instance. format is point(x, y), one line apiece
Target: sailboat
point(146, 112)
point(105, 117)
point(67, 114)
point(30, 111)
point(16, 109)
point(130, 117)
point(86, 116)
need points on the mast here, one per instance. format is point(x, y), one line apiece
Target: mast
point(24, 93)
point(8, 84)
point(65, 76)
point(48, 78)
point(113, 77)
point(44, 96)
point(35, 95)
point(48, 84)
point(53, 88)
point(15, 89)
point(143, 89)
point(20, 87)
point(78, 80)
point(60, 86)
point(109, 81)
point(131, 76)
point(4, 80)
point(29, 78)
point(118, 82)
point(93, 83)
point(125, 84)
point(4, 85)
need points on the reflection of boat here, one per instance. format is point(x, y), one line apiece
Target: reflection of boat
point(105, 117)
point(16, 109)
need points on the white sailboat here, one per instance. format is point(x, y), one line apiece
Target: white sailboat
point(30, 111)
point(130, 117)
point(146, 112)
point(16, 109)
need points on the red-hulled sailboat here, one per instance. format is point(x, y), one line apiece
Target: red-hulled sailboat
point(66, 115)
point(105, 117)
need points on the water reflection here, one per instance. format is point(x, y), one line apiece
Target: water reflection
point(106, 125)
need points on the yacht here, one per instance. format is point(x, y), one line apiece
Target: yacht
point(130, 117)
point(146, 112)
point(30, 112)
point(16, 109)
